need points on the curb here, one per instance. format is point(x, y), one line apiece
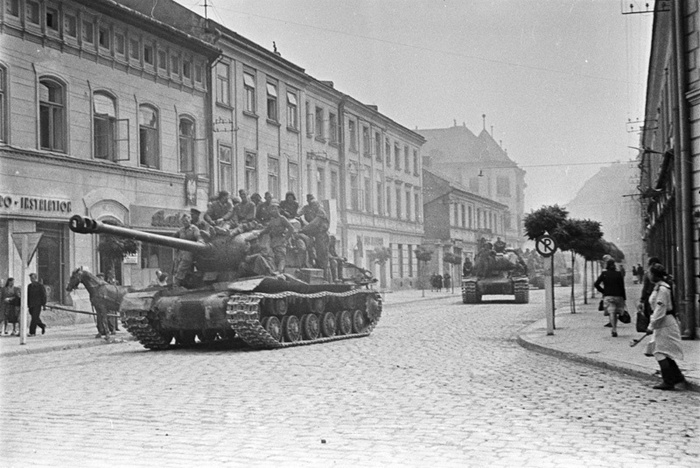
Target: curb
point(23, 351)
point(420, 299)
point(642, 374)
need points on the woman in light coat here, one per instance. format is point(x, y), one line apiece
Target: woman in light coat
point(665, 344)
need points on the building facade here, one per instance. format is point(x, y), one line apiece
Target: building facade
point(455, 221)
point(104, 112)
point(481, 165)
point(669, 159)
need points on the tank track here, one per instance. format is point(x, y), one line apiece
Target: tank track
point(137, 323)
point(469, 293)
point(243, 314)
point(522, 291)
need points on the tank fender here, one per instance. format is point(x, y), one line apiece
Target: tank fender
point(198, 311)
point(141, 300)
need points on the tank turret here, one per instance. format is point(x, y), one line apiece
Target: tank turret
point(223, 253)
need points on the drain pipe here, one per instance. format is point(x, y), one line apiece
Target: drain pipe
point(683, 172)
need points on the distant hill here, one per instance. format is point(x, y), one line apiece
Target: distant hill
point(605, 198)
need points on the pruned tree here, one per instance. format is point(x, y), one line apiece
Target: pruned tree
point(545, 220)
point(424, 255)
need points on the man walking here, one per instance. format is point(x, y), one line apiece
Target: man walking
point(36, 300)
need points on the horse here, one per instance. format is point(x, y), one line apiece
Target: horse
point(104, 297)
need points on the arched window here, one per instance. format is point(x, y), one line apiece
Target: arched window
point(52, 115)
point(187, 136)
point(105, 126)
point(149, 147)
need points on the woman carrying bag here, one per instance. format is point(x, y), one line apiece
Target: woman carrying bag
point(665, 343)
point(613, 291)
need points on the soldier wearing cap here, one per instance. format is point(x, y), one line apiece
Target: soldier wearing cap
point(220, 211)
point(280, 230)
point(185, 264)
point(263, 210)
point(206, 229)
point(317, 229)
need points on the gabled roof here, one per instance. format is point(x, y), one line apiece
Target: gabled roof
point(449, 185)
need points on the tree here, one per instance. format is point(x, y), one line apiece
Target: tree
point(452, 259)
point(545, 220)
point(114, 249)
point(423, 255)
point(380, 255)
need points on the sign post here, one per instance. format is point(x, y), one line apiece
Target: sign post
point(26, 244)
point(546, 246)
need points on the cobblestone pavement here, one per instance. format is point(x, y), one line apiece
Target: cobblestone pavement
point(438, 383)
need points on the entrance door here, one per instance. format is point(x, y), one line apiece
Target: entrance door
point(51, 256)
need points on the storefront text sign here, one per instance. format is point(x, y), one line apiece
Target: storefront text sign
point(26, 204)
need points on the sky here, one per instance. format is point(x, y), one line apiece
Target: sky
point(562, 82)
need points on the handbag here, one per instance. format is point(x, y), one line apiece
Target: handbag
point(601, 306)
point(642, 322)
point(624, 317)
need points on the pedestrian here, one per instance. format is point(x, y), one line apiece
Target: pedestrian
point(647, 288)
point(613, 291)
point(640, 273)
point(665, 343)
point(280, 230)
point(446, 278)
point(185, 264)
point(36, 301)
point(9, 306)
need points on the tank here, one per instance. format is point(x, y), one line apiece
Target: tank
point(221, 303)
point(497, 274)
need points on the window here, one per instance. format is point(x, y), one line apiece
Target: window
point(399, 248)
point(103, 38)
point(3, 103)
point(134, 49)
point(162, 60)
point(273, 176)
point(354, 192)
point(187, 138)
point(398, 202)
point(368, 190)
point(251, 172)
point(352, 134)
point(292, 111)
point(198, 75)
point(105, 126)
point(187, 69)
point(222, 83)
point(387, 152)
point(149, 146)
point(70, 26)
point(119, 42)
point(292, 176)
point(175, 65)
point(408, 205)
point(249, 85)
point(388, 200)
point(225, 171)
point(397, 157)
point(365, 142)
point(88, 32)
point(52, 19)
point(416, 167)
point(321, 183)
point(464, 216)
point(33, 12)
point(406, 160)
point(380, 204)
point(334, 184)
point(148, 54)
point(12, 8)
point(378, 146)
point(157, 256)
point(318, 119)
point(52, 115)
point(272, 102)
point(416, 205)
point(503, 186)
point(469, 216)
point(333, 127)
point(309, 120)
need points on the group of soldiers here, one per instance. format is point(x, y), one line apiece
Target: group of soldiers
point(276, 221)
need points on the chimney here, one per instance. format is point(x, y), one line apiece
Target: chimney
point(483, 117)
point(327, 83)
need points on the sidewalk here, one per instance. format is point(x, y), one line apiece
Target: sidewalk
point(581, 337)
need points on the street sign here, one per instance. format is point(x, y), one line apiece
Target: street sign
point(32, 242)
point(545, 245)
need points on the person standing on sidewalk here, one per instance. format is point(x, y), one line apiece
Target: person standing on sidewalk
point(36, 300)
point(647, 287)
point(665, 343)
point(613, 291)
point(9, 306)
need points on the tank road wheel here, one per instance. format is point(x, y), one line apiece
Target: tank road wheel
point(309, 327)
point(343, 322)
point(328, 324)
point(280, 307)
point(469, 294)
point(273, 326)
point(358, 321)
point(317, 305)
point(291, 328)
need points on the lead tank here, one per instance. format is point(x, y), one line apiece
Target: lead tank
point(221, 301)
point(497, 274)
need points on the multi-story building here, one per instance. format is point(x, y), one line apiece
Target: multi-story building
point(670, 155)
point(481, 165)
point(104, 112)
point(456, 220)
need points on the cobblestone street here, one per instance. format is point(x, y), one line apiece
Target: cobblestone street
point(438, 383)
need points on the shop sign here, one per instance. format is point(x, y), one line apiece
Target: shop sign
point(147, 216)
point(27, 205)
point(374, 241)
point(132, 259)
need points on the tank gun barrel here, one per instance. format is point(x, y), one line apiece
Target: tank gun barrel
point(85, 225)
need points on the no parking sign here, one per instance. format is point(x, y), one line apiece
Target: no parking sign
point(546, 245)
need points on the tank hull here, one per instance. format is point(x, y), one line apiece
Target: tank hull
point(473, 288)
